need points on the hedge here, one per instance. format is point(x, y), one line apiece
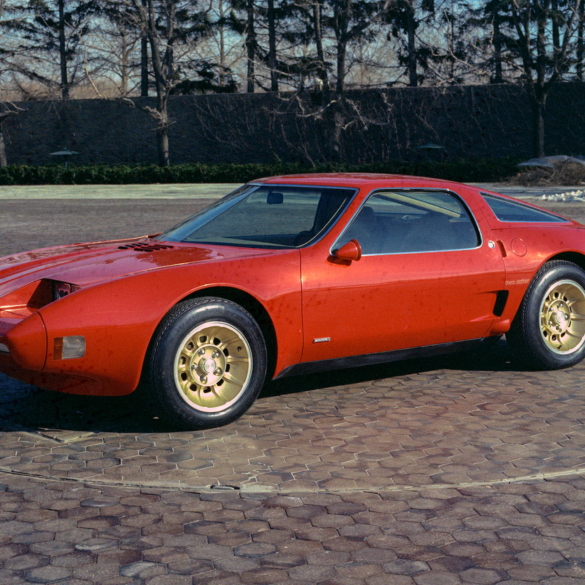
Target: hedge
point(467, 170)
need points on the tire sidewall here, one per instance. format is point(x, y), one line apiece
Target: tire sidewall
point(173, 333)
point(532, 315)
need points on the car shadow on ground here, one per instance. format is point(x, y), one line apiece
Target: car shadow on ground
point(497, 358)
point(23, 408)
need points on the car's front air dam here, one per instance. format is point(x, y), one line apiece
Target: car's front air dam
point(27, 342)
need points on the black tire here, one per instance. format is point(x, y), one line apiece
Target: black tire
point(175, 376)
point(543, 343)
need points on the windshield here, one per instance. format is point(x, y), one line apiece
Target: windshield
point(267, 216)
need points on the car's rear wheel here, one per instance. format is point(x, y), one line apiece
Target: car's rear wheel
point(207, 364)
point(549, 329)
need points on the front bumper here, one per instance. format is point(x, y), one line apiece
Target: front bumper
point(26, 340)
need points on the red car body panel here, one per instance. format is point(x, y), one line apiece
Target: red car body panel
point(377, 304)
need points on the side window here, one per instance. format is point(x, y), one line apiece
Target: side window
point(506, 210)
point(394, 222)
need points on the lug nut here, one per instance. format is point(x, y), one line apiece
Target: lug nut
point(217, 372)
point(203, 379)
point(201, 351)
point(215, 355)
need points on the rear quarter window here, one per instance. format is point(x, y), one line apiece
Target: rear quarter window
point(511, 211)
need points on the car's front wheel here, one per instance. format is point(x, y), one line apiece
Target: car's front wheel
point(207, 364)
point(548, 331)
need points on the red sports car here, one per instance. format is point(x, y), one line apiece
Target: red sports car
point(290, 275)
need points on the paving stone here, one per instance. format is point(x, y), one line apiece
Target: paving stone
point(142, 570)
point(74, 559)
point(385, 579)
point(264, 576)
point(51, 548)
point(481, 577)
point(94, 545)
point(282, 561)
point(436, 578)
point(26, 562)
point(47, 574)
point(405, 567)
point(311, 573)
point(255, 550)
point(7, 551)
point(169, 580)
point(358, 570)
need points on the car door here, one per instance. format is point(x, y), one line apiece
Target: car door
point(427, 276)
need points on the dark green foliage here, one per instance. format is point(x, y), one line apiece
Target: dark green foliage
point(470, 170)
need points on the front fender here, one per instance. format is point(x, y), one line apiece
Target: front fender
point(119, 318)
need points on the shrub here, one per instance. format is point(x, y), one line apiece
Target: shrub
point(465, 170)
point(566, 173)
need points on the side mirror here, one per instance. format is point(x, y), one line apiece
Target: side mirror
point(350, 251)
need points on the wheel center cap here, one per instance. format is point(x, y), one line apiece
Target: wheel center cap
point(558, 318)
point(207, 365)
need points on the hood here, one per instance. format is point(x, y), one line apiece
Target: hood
point(85, 264)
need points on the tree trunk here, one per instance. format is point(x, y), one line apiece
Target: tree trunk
point(221, 44)
point(341, 72)
point(498, 75)
point(581, 41)
point(3, 160)
point(336, 132)
point(538, 113)
point(162, 139)
point(556, 33)
point(272, 46)
point(63, 52)
point(124, 64)
point(144, 62)
point(322, 72)
point(144, 67)
point(343, 20)
point(162, 67)
point(162, 133)
point(338, 104)
point(539, 92)
point(413, 78)
point(250, 47)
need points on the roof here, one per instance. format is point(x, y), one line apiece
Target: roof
point(354, 180)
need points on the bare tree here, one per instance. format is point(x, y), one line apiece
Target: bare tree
point(170, 26)
point(114, 47)
point(405, 18)
point(50, 34)
point(543, 65)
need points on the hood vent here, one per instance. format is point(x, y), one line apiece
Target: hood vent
point(146, 247)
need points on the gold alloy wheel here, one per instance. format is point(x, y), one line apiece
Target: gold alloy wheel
point(213, 366)
point(562, 317)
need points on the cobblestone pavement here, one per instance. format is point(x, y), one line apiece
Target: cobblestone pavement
point(459, 469)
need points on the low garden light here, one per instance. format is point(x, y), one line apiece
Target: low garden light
point(65, 153)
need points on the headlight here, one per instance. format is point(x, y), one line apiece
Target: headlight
point(62, 289)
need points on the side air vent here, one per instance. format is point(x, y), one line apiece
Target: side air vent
point(146, 247)
point(500, 305)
